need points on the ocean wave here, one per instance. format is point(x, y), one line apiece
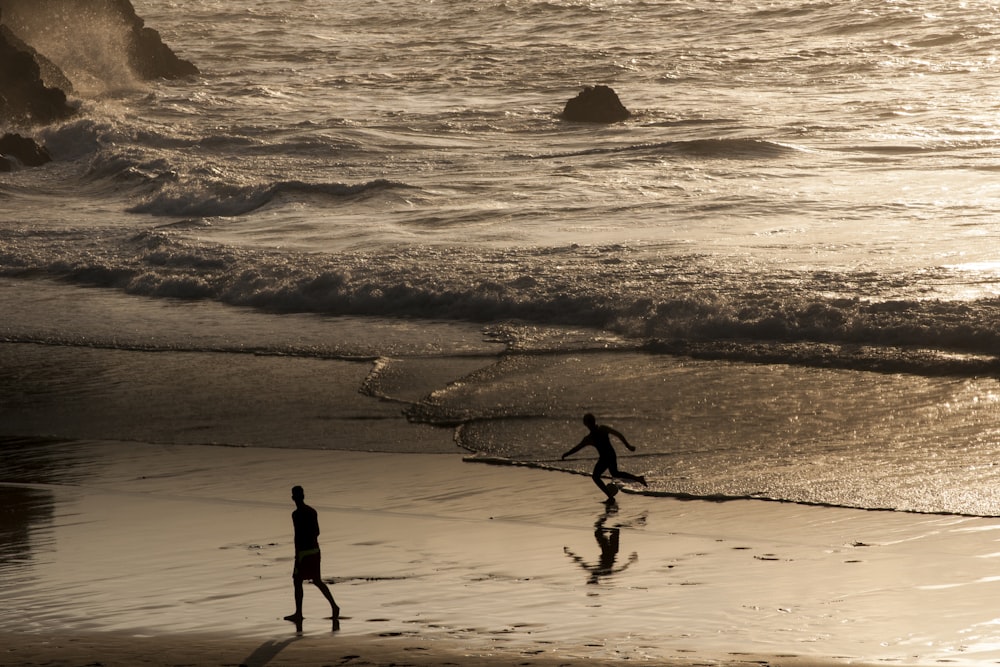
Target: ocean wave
point(687, 307)
point(724, 148)
point(786, 318)
point(229, 201)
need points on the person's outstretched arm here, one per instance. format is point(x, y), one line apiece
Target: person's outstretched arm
point(621, 437)
point(583, 443)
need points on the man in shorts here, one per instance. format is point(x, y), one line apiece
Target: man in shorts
point(307, 558)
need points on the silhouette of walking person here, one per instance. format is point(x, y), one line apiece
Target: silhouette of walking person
point(608, 540)
point(307, 558)
point(607, 460)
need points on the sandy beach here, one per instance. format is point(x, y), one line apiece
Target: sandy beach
point(181, 555)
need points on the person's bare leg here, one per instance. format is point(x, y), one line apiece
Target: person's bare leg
point(625, 475)
point(600, 483)
point(297, 616)
point(619, 474)
point(334, 609)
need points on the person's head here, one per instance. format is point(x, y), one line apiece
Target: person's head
point(589, 420)
point(298, 494)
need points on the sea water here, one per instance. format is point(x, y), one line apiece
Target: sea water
point(779, 278)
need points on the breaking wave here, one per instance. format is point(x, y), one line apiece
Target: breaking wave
point(735, 149)
point(654, 304)
point(227, 201)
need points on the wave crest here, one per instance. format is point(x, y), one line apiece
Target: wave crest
point(230, 201)
point(769, 318)
point(725, 148)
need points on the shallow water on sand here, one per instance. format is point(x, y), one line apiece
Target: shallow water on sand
point(151, 540)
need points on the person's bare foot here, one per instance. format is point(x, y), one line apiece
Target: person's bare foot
point(294, 618)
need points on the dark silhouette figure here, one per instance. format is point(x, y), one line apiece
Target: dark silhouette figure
point(608, 540)
point(607, 460)
point(307, 558)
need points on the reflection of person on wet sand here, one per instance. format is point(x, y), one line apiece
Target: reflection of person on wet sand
point(607, 459)
point(608, 539)
point(307, 558)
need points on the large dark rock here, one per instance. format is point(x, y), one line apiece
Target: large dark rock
point(152, 59)
point(595, 104)
point(149, 56)
point(24, 97)
point(65, 30)
point(52, 76)
point(17, 150)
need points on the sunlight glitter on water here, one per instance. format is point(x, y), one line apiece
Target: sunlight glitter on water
point(975, 280)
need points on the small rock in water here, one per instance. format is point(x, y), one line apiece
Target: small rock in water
point(596, 104)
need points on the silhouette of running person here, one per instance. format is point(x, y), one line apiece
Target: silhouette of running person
point(607, 460)
point(307, 558)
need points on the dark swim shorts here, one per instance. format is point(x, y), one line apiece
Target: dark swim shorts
point(306, 566)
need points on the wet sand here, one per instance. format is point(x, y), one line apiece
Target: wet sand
point(123, 650)
point(149, 554)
